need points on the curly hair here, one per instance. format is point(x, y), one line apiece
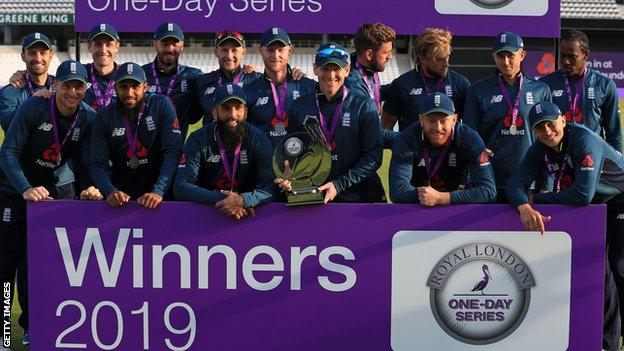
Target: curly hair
point(372, 36)
point(430, 42)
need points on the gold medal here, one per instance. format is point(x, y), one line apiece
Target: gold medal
point(134, 163)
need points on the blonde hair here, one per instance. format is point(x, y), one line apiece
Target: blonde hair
point(430, 42)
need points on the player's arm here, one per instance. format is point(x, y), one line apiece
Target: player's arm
point(171, 148)
point(482, 189)
point(99, 154)
point(529, 170)
point(401, 171)
point(610, 117)
point(263, 192)
point(392, 106)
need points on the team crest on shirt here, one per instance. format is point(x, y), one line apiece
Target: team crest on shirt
point(557, 93)
point(496, 99)
point(209, 90)
point(591, 94)
point(262, 101)
point(117, 132)
point(6, 214)
point(587, 164)
point(484, 159)
point(346, 119)
point(76, 134)
point(243, 157)
point(416, 91)
point(296, 94)
point(46, 127)
point(448, 90)
point(529, 98)
point(452, 159)
point(149, 121)
point(183, 85)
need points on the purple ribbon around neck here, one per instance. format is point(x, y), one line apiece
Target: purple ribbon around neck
point(441, 156)
point(235, 80)
point(133, 138)
point(329, 133)
point(280, 102)
point(557, 174)
point(31, 87)
point(372, 90)
point(171, 85)
point(55, 130)
point(103, 98)
point(515, 106)
point(229, 171)
point(578, 92)
point(439, 83)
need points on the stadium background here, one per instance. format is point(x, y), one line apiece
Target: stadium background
point(601, 20)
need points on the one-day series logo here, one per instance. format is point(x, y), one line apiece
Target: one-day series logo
point(480, 292)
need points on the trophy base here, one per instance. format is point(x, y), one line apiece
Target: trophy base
point(308, 196)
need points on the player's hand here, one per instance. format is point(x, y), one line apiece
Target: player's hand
point(532, 219)
point(36, 194)
point(117, 198)
point(231, 205)
point(17, 79)
point(428, 196)
point(44, 93)
point(283, 184)
point(248, 69)
point(149, 200)
point(297, 74)
point(245, 212)
point(91, 193)
point(330, 191)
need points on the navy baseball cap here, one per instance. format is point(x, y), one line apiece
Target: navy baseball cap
point(272, 35)
point(169, 30)
point(36, 38)
point(543, 111)
point(103, 29)
point(507, 41)
point(130, 70)
point(226, 35)
point(71, 70)
point(331, 53)
point(227, 92)
point(437, 103)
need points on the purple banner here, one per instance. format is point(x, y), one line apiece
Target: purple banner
point(541, 63)
point(335, 277)
point(531, 18)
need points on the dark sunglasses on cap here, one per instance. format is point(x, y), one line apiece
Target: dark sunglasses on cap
point(333, 52)
point(226, 34)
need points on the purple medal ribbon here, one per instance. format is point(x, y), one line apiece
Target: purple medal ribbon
point(237, 78)
point(439, 84)
point(516, 104)
point(280, 102)
point(372, 90)
point(229, 171)
point(31, 87)
point(171, 82)
point(573, 103)
point(133, 138)
point(557, 174)
point(55, 130)
point(103, 98)
point(329, 134)
point(441, 156)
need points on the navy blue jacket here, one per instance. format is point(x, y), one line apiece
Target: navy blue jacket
point(261, 113)
point(160, 147)
point(598, 103)
point(185, 102)
point(355, 81)
point(356, 144)
point(207, 83)
point(27, 157)
point(201, 174)
point(90, 98)
point(593, 171)
point(11, 98)
point(466, 154)
point(487, 113)
point(404, 98)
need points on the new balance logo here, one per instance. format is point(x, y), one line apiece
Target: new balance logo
point(46, 127)
point(416, 91)
point(496, 99)
point(262, 101)
point(620, 216)
point(118, 132)
point(557, 93)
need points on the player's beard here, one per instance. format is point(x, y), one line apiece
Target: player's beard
point(131, 113)
point(231, 138)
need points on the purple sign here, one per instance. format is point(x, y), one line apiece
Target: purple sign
point(611, 64)
point(535, 18)
point(335, 277)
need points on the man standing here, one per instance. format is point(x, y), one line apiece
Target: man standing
point(587, 96)
point(103, 46)
point(583, 169)
point(36, 54)
point(350, 124)
point(271, 96)
point(140, 135)
point(45, 134)
point(497, 107)
point(166, 76)
point(430, 157)
point(230, 49)
point(227, 163)
point(432, 51)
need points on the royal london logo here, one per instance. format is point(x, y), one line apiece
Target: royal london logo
point(480, 292)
